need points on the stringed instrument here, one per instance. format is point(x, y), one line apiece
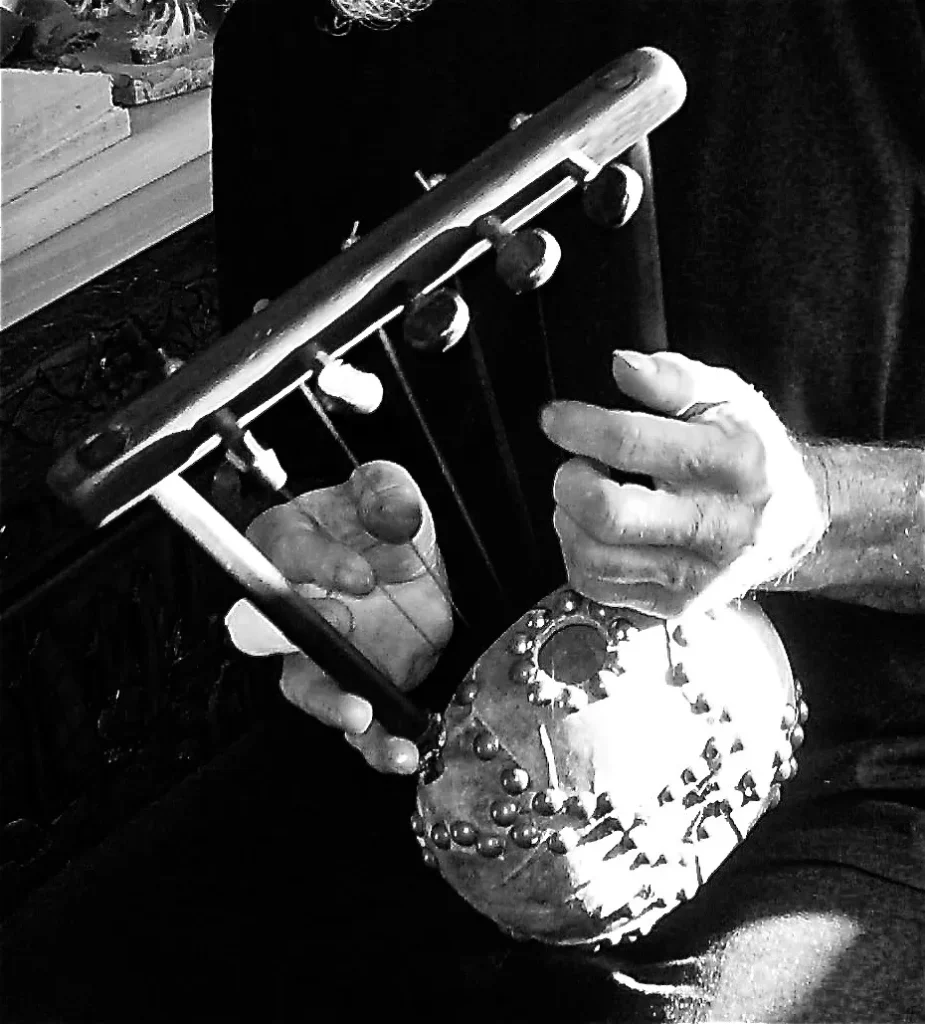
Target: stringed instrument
point(595, 766)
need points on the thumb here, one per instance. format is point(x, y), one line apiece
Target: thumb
point(392, 508)
point(389, 503)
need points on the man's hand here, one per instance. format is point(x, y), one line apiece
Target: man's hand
point(733, 505)
point(356, 551)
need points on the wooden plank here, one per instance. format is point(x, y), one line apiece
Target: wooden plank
point(161, 81)
point(164, 136)
point(46, 164)
point(45, 272)
point(52, 121)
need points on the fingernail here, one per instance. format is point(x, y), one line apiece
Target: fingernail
point(354, 577)
point(403, 757)
point(355, 715)
point(636, 361)
point(334, 612)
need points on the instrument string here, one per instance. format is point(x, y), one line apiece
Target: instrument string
point(349, 241)
point(447, 475)
point(504, 448)
point(354, 461)
point(547, 351)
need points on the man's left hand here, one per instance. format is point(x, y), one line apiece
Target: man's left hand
point(732, 505)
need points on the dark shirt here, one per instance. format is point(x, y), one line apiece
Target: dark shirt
point(791, 203)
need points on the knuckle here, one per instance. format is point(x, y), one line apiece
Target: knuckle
point(598, 513)
point(295, 681)
point(580, 559)
point(623, 441)
point(720, 528)
point(699, 536)
point(674, 575)
point(750, 460)
point(680, 575)
point(592, 507)
point(691, 464)
point(645, 598)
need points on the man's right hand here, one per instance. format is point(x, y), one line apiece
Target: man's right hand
point(355, 550)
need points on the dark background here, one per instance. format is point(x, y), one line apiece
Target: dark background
point(117, 679)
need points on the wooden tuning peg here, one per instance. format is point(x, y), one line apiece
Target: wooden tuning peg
point(242, 450)
point(436, 321)
point(350, 388)
point(611, 197)
point(524, 260)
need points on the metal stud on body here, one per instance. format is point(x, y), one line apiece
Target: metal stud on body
point(463, 833)
point(567, 603)
point(490, 846)
point(514, 781)
point(537, 619)
point(440, 835)
point(525, 835)
point(503, 812)
point(466, 692)
point(520, 644)
point(486, 746)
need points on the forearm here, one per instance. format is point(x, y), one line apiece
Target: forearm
point(873, 551)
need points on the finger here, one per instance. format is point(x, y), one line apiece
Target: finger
point(308, 687)
point(676, 569)
point(384, 752)
point(391, 507)
point(389, 502)
point(668, 382)
point(646, 598)
point(303, 555)
point(253, 633)
point(641, 443)
point(614, 513)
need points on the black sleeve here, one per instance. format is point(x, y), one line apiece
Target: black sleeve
point(275, 208)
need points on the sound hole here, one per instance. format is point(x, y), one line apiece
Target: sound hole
point(573, 654)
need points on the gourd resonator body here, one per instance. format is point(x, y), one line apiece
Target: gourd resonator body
point(599, 765)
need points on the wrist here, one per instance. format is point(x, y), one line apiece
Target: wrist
point(817, 469)
point(874, 542)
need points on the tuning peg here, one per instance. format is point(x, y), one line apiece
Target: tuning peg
point(525, 260)
point(429, 181)
point(242, 450)
point(246, 454)
point(356, 389)
point(435, 322)
point(612, 197)
point(581, 167)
